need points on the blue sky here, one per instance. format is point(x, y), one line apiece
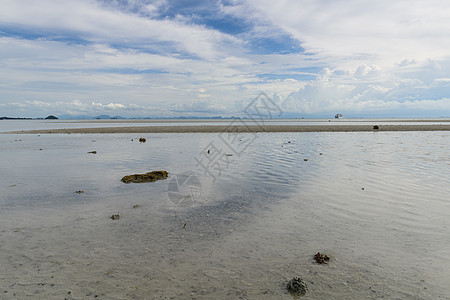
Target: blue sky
point(164, 58)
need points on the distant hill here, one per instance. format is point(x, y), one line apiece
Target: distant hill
point(51, 117)
point(9, 118)
point(85, 117)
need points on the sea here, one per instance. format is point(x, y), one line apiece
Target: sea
point(238, 216)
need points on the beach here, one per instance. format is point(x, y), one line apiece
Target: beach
point(237, 222)
point(240, 128)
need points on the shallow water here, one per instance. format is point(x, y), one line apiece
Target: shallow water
point(375, 202)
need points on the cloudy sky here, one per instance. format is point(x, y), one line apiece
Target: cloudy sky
point(169, 58)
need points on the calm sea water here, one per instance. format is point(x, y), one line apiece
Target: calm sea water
point(237, 222)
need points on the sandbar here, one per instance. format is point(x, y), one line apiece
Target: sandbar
point(242, 128)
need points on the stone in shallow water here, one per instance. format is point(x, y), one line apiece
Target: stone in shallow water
point(147, 177)
point(321, 258)
point(296, 286)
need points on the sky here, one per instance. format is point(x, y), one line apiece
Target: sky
point(172, 58)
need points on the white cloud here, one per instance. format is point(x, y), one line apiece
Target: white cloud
point(384, 32)
point(100, 24)
point(370, 90)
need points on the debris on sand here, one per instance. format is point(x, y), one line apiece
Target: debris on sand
point(93, 152)
point(142, 140)
point(147, 177)
point(115, 217)
point(321, 258)
point(297, 287)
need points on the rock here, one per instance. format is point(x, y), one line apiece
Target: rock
point(305, 159)
point(297, 287)
point(115, 217)
point(79, 192)
point(93, 152)
point(142, 140)
point(321, 258)
point(376, 127)
point(147, 177)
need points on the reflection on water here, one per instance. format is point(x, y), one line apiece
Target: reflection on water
point(376, 203)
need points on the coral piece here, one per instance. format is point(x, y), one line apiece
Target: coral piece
point(321, 258)
point(147, 177)
point(296, 286)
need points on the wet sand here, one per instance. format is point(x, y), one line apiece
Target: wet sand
point(241, 128)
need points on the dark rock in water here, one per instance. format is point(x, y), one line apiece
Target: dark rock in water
point(297, 287)
point(321, 258)
point(115, 217)
point(147, 177)
point(142, 140)
point(376, 127)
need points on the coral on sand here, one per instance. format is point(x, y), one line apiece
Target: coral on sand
point(321, 258)
point(147, 177)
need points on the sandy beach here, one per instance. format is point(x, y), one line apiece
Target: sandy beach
point(237, 225)
point(240, 128)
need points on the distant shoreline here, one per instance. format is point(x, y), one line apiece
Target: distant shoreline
point(246, 120)
point(222, 120)
point(238, 128)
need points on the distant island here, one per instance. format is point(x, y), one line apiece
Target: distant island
point(8, 118)
point(51, 117)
